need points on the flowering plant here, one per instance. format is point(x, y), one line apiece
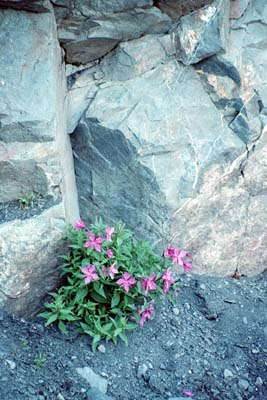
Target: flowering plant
point(112, 281)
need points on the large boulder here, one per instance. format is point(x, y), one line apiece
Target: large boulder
point(35, 159)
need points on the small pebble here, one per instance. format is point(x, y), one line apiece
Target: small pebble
point(243, 384)
point(255, 351)
point(101, 348)
point(228, 374)
point(259, 381)
point(245, 320)
point(142, 370)
point(176, 311)
point(11, 364)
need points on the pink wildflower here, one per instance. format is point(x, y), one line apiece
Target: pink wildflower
point(146, 314)
point(170, 251)
point(94, 242)
point(109, 233)
point(178, 257)
point(149, 283)
point(126, 281)
point(167, 279)
point(90, 274)
point(187, 266)
point(113, 270)
point(188, 393)
point(79, 225)
point(104, 272)
point(109, 253)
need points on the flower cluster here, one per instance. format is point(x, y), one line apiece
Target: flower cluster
point(112, 279)
point(179, 257)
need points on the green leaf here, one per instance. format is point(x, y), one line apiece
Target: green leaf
point(51, 319)
point(98, 287)
point(124, 338)
point(62, 328)
point(115, 299)
point(99, 299)
point(96, 339)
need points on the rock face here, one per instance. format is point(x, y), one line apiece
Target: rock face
point(167, 113)
point(198, 131)
point(35, 157)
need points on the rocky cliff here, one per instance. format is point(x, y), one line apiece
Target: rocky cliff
point(164, 105)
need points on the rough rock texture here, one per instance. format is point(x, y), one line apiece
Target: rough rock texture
point(35, 157)
point(198, 130)
point(203, 33)
point(88, 38)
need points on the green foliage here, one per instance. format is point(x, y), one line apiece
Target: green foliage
point(27, 201)
point(102, 308)
point(40, 360)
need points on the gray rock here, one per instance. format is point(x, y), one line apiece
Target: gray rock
point(243, 384)
point(11, 364)
point(104, 6)
point(142, 371)
point(254, 11)
point(93, 379)
point(35, 157)
point(84, 51)
point(95, 394)
point(101, 348)
point(238, 8)
point(227, 374)
point(259, 381)
point(86, 39)
point(36, 6)
point(202, 33)
point(175, 9)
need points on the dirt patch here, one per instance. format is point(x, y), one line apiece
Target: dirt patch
point(213, 342)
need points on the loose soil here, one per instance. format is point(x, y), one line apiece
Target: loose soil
point(213, 342)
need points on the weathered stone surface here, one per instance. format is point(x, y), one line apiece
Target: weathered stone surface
point(35, 156)
point(28, 73)
point(112, 183)
point(84, 51)
point(86, 39)
point(225, 225)
point(175, 9)
point(29, 252)
point(37, 6)
point(203, 33)
point(236, 81)
point(255, 11)
point(237, 8)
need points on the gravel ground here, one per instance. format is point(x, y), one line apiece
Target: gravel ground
point(13, 210)
point(213, 342)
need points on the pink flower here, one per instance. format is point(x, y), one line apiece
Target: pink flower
point(79, 225)
point(178, 257)
point(126, 281)
point(170, 251)
point(94, 242)
point(187, 266)
point(109, 253)
point(188, 393)
point(146, 314)
point(90, 274)
point(149, 283)
point(113, 270)
point(109, 233)
point(167, 279)
point(104, 272)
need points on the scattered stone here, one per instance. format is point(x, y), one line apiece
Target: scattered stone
point(60, 397)
point(228, 374)
point(176, 311)
point(245, 320)
point(142, 371)
point(255, 351)
point(101, 348)
point(259, 381)
point(95, 394)
point(93, 379)
point(243, 384)
point(11, 364)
